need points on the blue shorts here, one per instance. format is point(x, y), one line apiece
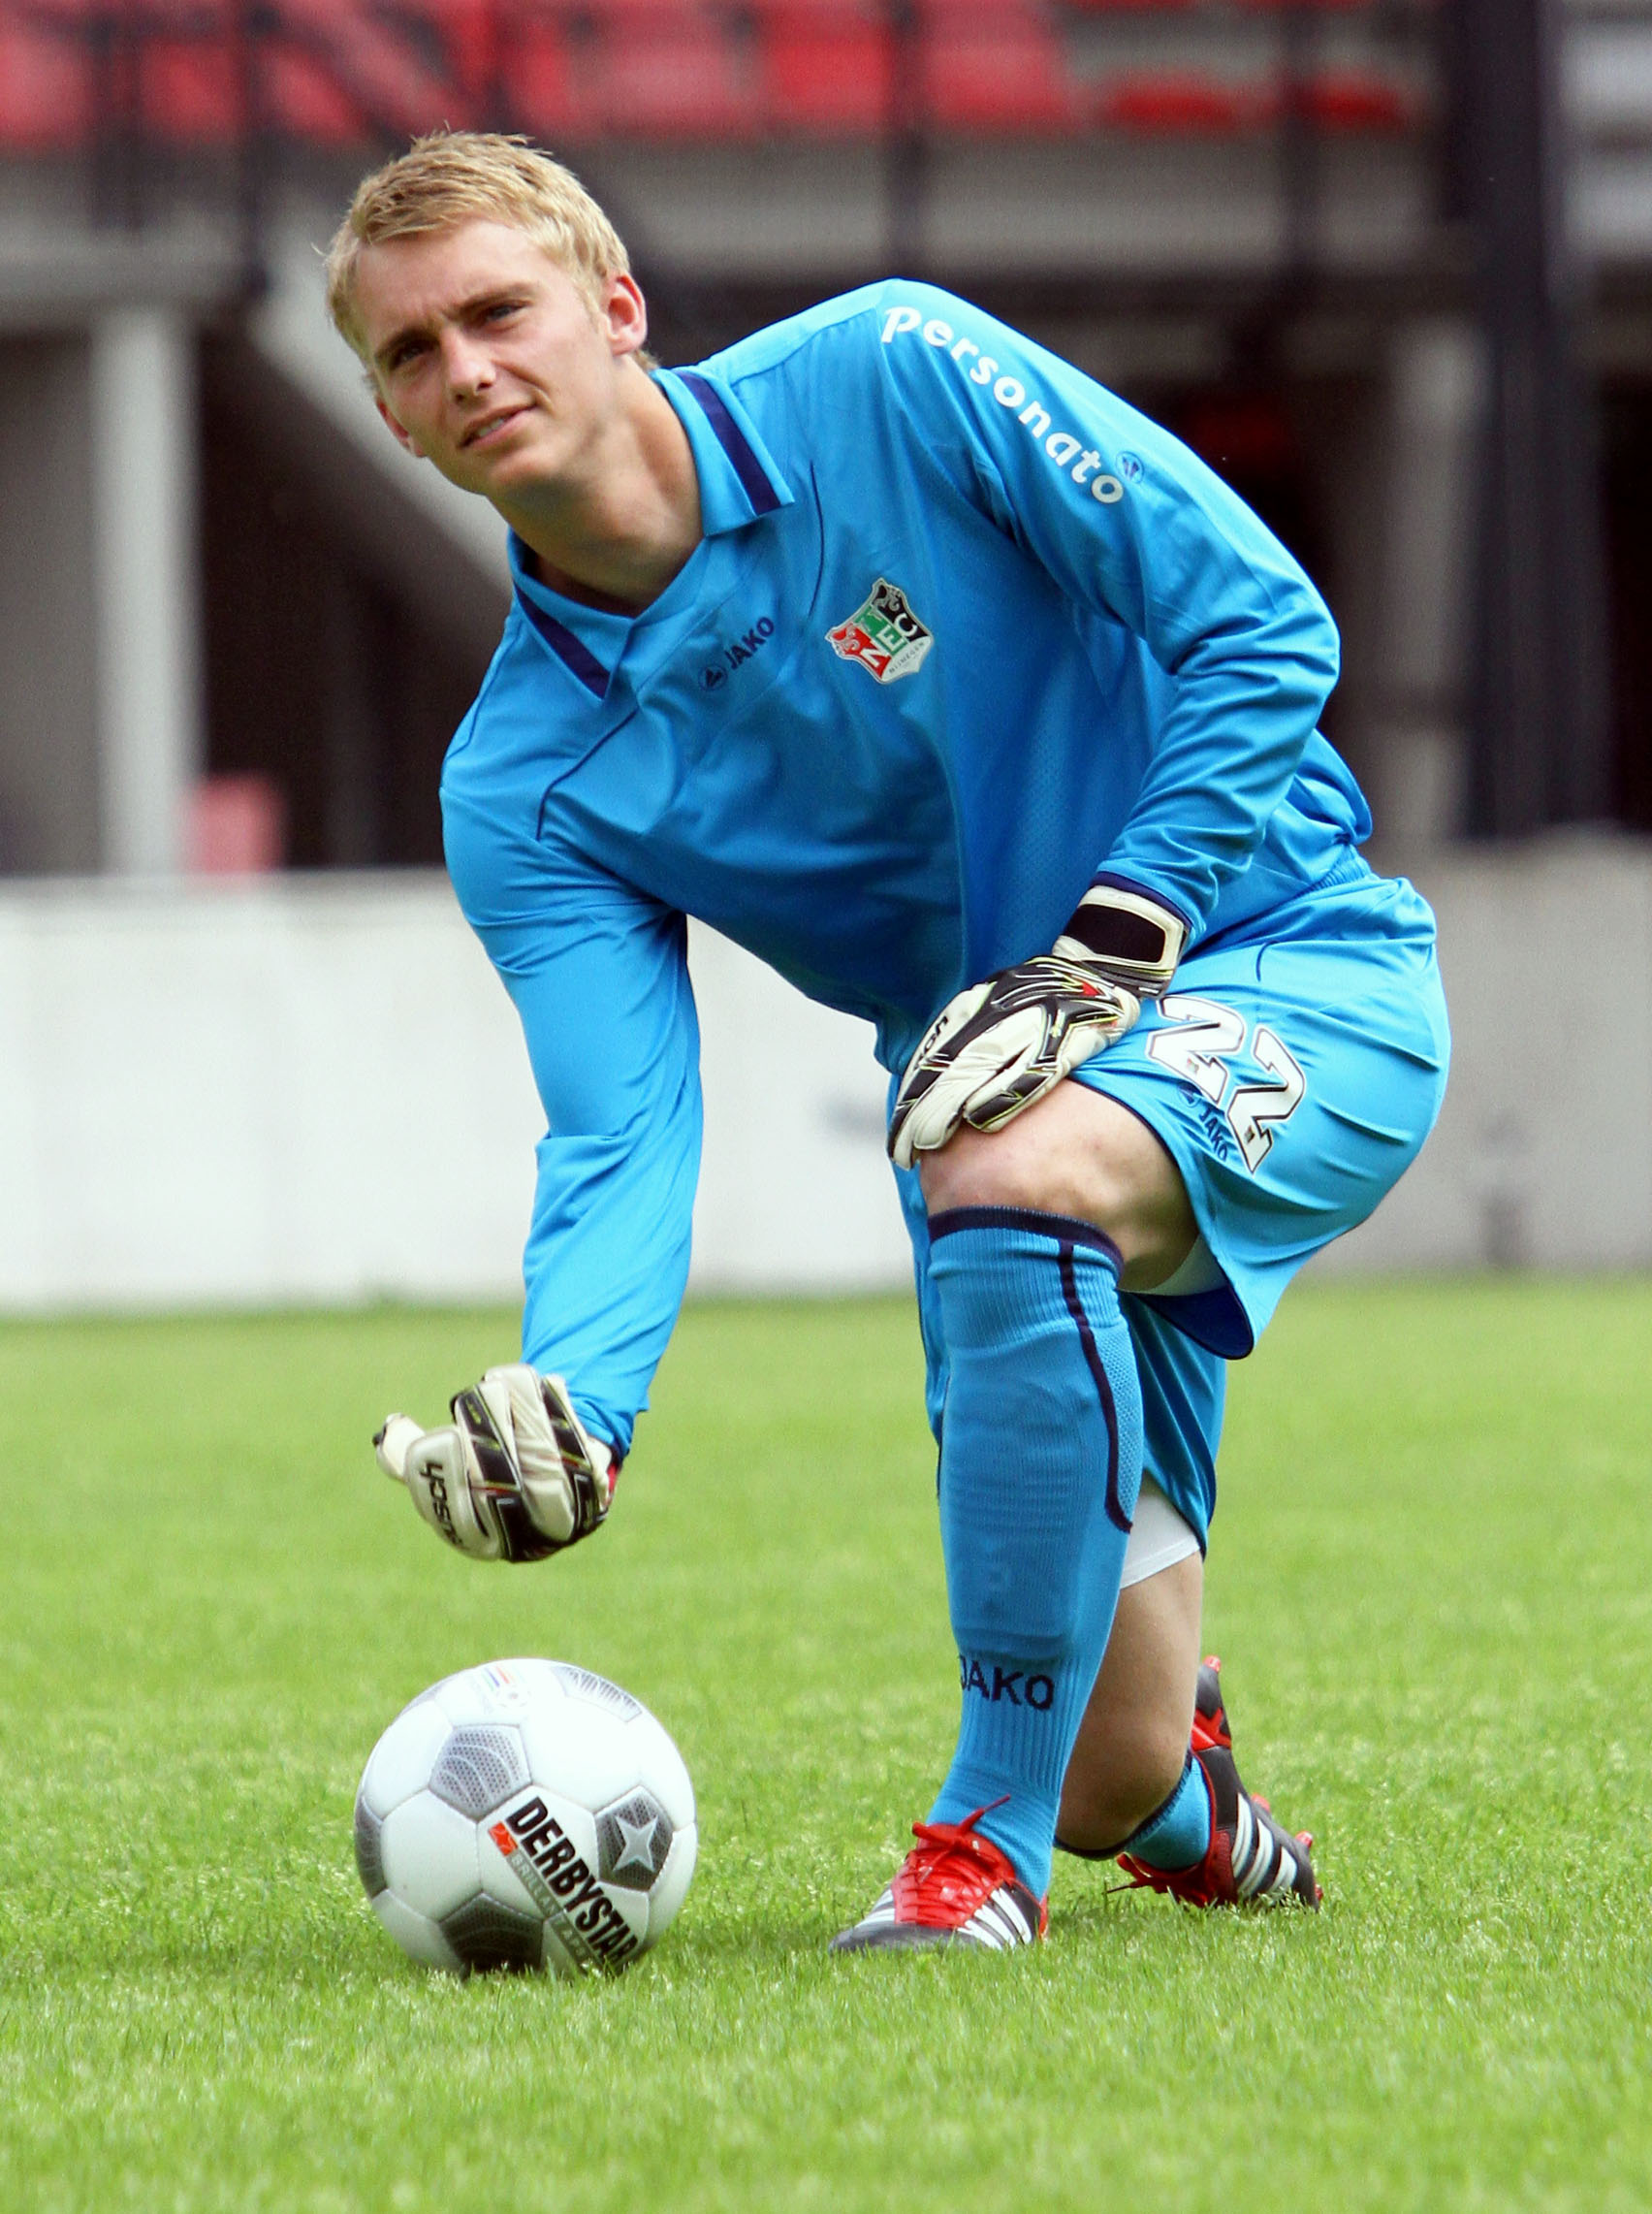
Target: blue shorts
point(1292, 1075)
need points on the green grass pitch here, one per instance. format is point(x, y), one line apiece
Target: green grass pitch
point(1430, 1584)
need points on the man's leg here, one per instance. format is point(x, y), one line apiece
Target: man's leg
point(1042, 1443)
point(1031, 1231)
point(1080, 1157)
point(1289, 1093)
point(1173, 1811)
point(1132, 1744)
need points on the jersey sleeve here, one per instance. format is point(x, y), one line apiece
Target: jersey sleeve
point(1131, 524)
point(599, 976)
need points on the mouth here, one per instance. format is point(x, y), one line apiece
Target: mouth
point(490, 426)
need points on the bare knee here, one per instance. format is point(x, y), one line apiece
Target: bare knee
point(1075, 1153)
point(1016, 1167)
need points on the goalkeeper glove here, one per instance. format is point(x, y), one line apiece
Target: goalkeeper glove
point(998, 1046)
point(516, 1476)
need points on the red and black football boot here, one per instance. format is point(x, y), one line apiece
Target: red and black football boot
point(1210, 1716)
point(955, 1887)
point(1251, 1860)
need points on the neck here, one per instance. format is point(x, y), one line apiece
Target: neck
point(616, 533)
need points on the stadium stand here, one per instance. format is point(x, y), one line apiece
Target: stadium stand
point(198, 74)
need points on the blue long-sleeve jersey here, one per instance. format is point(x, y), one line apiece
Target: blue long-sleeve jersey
point(963, 631)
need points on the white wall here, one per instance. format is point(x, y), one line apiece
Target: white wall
point(1542, 1154)
point(314, 1089)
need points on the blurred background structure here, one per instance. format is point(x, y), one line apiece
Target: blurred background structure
point(1386, 264)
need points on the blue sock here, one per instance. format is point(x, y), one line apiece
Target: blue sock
point(1040, 1464)
point(1178, 1836)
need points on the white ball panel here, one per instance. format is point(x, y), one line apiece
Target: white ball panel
point(418, 1938)
point(431, 1691)
point(671, 1885)
point(402, 1761)
point(662, 1768)
point(457, 1700)
point(579, 1747)
point(430, 1854)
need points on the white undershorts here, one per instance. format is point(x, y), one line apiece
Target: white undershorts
point(1159, 1537)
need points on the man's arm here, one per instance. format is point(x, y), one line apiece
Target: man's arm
point(599, 976)
point(1129, 523)
point(1131, 527)
point(609, 1018)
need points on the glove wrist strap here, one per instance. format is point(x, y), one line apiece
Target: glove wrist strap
point(1136, 941)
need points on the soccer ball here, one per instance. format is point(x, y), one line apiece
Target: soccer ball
point(525, 1814)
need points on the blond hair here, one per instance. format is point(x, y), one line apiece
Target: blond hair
point(449, 177)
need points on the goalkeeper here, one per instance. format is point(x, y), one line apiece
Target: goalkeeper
point(909, 658)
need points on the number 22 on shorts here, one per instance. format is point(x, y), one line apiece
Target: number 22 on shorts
point(1198, 1049)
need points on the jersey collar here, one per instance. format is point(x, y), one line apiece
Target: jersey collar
point(739, 483)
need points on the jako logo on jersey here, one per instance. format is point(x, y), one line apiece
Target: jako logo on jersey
point(1067, 452)
point(883, 634)
point(1021, 1690)
point(558, 1881)
point(716, 673)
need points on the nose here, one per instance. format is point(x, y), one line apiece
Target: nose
point(467, 364)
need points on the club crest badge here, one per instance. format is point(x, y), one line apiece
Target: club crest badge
point(883, 634)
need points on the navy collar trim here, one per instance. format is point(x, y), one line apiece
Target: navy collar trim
point(570, 649)
point(754, 478)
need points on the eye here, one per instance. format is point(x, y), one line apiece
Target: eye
point(498, 311)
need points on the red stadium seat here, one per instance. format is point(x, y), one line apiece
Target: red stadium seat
point(1350, 101)
point(301, 98)
point(545, 92)
point(992, 65)
point(372, 60)
point(673, 68)
point(465, 43)
point(45, 89)
point(819, 14)
point(978, 19)
point(1319, 6)
point(1184, 103)
point(235, 826)
point(826, 72)
point(1251, 7)
point(1181, 103)
point(1002, 74)
point(191, 90)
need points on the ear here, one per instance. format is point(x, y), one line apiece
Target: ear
point(396, 431)
point(625, 315)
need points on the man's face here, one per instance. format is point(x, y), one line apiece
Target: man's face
point(489, 360)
